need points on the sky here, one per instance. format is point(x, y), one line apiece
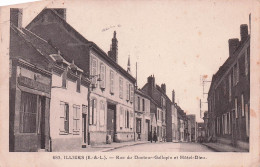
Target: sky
point(176, 41)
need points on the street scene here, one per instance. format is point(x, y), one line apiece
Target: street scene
point(69, 92)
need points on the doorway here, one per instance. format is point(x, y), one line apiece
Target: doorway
point(111, 120)
point(84, 125)
point(147, 125)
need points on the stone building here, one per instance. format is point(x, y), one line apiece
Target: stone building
point(229, 95)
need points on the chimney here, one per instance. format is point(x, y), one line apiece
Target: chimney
point(163, 86)
point(233, 44)
point(113, 53)
point(151, 85)
point(16, 16)
point(243, 32)
point(173, 96)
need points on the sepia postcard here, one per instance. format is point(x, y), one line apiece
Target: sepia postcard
point(133, 83)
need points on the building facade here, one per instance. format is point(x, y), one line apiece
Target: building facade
point(142, 116)
point(163, 107)
point(29, 91)
point(229, 94)
point(192, 118)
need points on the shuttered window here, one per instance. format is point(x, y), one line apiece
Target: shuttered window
point(121, 88)
point(64, 117)
point(102, 114)
point(102, 76)
point(76, 119)
point(112, 82)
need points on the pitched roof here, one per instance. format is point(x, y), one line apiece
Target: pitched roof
point(227, 64)
point(86, 43)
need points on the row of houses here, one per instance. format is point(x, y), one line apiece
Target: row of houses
point(67, 93)
point(228, 116)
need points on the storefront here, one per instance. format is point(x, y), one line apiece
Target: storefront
point(29, 107)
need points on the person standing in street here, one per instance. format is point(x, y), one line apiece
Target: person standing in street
point(154, 136)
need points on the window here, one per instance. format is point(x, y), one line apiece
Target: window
point(112, 82)
point(138, 99)
point(102, 76)
point(121, 117)
point(229, 87)
point(218, 125)
point(229, 128)
point(78, 85)
point(163, 102)
point(138, 125)
point(102, 114)
point(64, 79)
point(76, 119)
point(28, 113)
point(236, 107)
point(126, 119)
point(143, 105)
point(131, 120)
point(94, 71)
point(127, 91)
point(93, 112)
point(121, 87)
point(246, 61)
point(242, 105)
point(131, 87)
point(158, 113)
point(64, 117)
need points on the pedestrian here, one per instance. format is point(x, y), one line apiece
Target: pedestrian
point(154, 136)
point(151, 136)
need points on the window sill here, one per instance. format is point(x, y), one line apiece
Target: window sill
point(63, 133)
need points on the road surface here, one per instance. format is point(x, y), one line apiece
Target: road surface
point(164, 147)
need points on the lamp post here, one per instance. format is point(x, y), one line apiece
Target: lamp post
point(90, 88)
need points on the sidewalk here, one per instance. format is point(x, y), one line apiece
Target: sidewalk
point(112, 146)
point(107, 147)
point(219, 147)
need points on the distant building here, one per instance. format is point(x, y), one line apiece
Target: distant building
point(174, 123)
point(229, 94)
point(164, 106)
point(192, 118)
point(201, 132)
point(142, 116)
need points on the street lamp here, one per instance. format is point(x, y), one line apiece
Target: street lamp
point(91, 88)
